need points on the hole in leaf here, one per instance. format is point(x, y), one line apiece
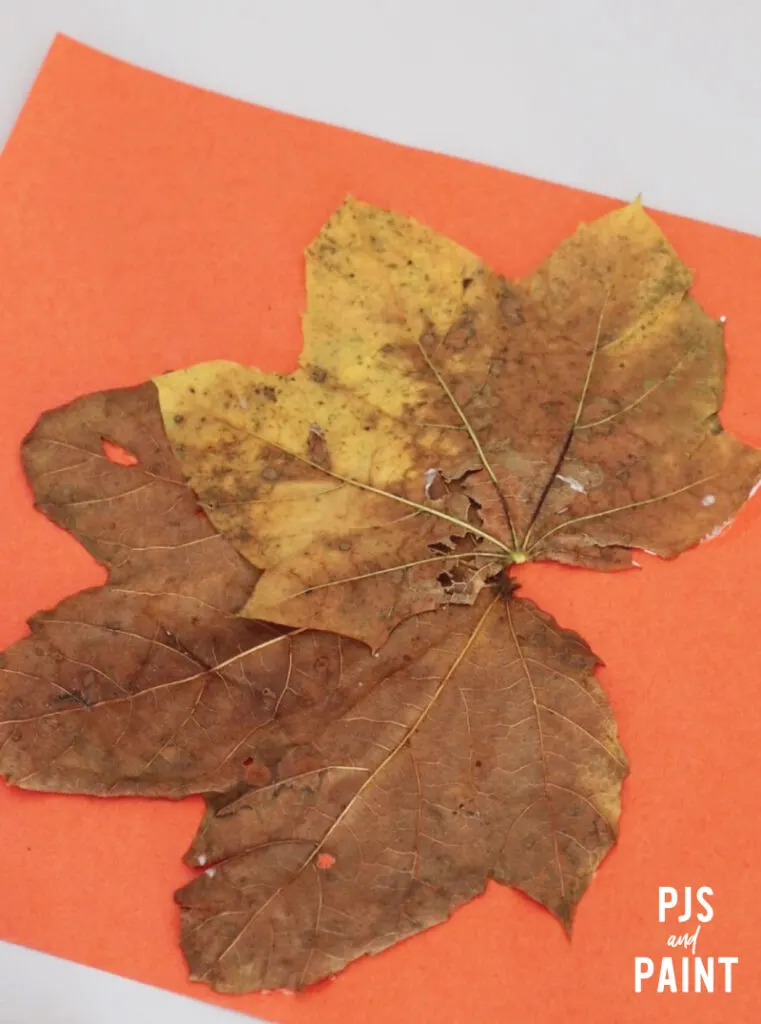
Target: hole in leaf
point(442, 549)
point(325, 861)
point(248, 762)
point(435, 485)
point(474, 516)
point(444, 579)
point(116, 453)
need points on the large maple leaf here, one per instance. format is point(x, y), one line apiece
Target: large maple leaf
point(446, 423)
point(493, 755)
point(419, 728)
point(151, 684)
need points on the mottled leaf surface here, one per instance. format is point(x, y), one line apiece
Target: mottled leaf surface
point(151, 684)
point(445, 422)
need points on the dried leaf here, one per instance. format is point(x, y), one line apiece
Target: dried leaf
point(443, 425)
point(151, 684)
point(568, 416)
point(493, 755)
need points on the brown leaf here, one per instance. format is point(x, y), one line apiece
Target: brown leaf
point(445, 423)
point(151, 684)
point(599, 399)
point(493, 755)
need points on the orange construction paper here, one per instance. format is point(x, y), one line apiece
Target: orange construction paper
point(147, 225)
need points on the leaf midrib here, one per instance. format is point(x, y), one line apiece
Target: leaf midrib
point(474, 634)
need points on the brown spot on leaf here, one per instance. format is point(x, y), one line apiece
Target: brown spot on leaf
point(510, 308)
point(255, 773)
point(317, 447)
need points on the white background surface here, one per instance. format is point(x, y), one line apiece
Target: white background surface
point(661, 97)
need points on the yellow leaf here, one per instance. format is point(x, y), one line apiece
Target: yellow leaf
point(445, 423)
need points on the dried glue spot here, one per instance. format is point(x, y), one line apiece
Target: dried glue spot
point(722, 319)
point(121, 456)
point(574, 484)
point(211, 872)
point(708, 500)
point(325, 861)
point(202, 860)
